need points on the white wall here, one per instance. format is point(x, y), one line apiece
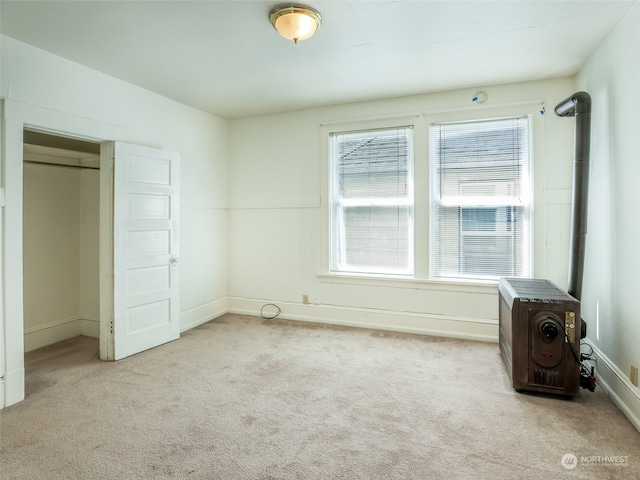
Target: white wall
point(48, 92)
point(275, 218)
point(89, 253)
point(51, 258)
point(609, 303)
point(61, 274)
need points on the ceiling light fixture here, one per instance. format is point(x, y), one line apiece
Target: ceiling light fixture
point(295, 22)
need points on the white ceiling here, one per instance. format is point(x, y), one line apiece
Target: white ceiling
point(225, 58)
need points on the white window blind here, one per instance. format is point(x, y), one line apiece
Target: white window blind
point(481, 203)
point(372, 201)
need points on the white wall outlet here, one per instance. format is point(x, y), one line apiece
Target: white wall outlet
point(305, 299)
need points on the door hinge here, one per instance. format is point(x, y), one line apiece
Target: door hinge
point(2, 200)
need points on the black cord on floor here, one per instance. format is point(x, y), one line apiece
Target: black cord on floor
point(269, 305)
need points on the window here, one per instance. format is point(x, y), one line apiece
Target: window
point(439, 197)
point(481, 210)
point(372, 201)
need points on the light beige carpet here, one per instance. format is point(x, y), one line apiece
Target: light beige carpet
point(243, 398)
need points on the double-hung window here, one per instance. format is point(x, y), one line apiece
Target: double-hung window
point(371, 218)
point(481, 202)
point(460, 210)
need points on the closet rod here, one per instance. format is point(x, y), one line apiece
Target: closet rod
point(81, 167)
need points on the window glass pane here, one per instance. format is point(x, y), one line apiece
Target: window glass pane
point(479, 219)
point(373, 164)
point(484, 254)
point(481, 207)
point(372, 198)
point(375, 239)
point(481, 158)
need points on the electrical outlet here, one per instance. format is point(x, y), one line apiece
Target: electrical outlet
point(305, 299)
point(634, 374)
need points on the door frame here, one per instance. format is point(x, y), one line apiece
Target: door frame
point(17, 117)
point(107, 152)
point(105, 243)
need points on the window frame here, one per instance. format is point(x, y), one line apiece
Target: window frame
point(339, 205)
point(524, 201)
point(422, 255)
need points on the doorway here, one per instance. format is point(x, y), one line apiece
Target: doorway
point(129, 318)
point(61, 196)
point(70, 257)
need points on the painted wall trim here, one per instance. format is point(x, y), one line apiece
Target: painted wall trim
point(59, 330)
point(52, 332)
point(623, 393)
point(90, 327)
point(203, 313)
point(481, 329)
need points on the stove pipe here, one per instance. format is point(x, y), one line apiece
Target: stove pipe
point(579, 106)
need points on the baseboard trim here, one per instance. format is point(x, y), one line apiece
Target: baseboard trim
point(613, 380)
point(90, 327)
point(52, 332)
point(481, 329)
point(202, 314)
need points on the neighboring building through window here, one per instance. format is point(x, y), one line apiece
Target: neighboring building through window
point(481, 205)
point(372, 201)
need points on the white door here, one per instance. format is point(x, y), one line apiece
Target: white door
point(146, 208)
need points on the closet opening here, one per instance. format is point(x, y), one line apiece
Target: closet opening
point(61, 240)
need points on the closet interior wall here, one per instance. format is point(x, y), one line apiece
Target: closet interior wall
point(60, 239)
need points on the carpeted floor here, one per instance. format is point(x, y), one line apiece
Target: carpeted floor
point(243, 398)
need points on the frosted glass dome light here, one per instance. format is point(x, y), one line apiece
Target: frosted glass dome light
point(295, 22)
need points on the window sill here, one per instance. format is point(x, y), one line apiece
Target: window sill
point(453, 285)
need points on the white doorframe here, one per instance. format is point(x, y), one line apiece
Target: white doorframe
point(16, 117)
point(107, 151)
point(2, 205)
point(12, 254)
point(106, 282)
point(12, 316)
